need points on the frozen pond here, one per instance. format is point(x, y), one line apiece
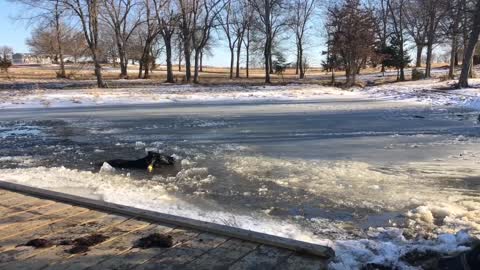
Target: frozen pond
point(339, 169)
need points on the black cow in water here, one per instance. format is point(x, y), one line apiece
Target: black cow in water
point(151, 161)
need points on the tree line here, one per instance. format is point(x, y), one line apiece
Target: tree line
point(358, 33)
point(380, 32)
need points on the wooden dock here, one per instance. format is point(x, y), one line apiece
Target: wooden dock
point(25, 214)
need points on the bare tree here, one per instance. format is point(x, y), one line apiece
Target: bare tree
point(416, 25)
point(270, 12)
point(87, 12)
point(382, 15)
point(302, 13)
point(436, 11)
point(227, 21)
point(197, 19)
point(49, 14)
point(5, 58)
point(453, 30)
point(119, 16)
point(167, 17)
point(247, 37)
point(396, 9)
point(233, 20)
point(149, 32)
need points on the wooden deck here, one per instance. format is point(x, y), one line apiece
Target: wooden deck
point(25, 217)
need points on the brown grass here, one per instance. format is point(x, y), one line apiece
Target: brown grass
point(210, 75)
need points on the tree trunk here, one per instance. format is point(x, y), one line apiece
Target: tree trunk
point(453, 52)
point(270, 60)
point(146, 60)
point(232, 61)
point(247, 62)
point(468, 53)
point(168, 50)
point(180, 61)
point(267, 52)
point(428, 67)
point(59, 41)
point(268, 44)
point(431, 36)
point(98, 72)
point(348, 75)
point(300, 62)
point(187, 53)
point(140, 68)
point(333, 75)
point(201, 61)
point(297, 65)
point(471, 73)
point(418, 62)
point(195, 68)
point(239, 50)
point(123, 63)
point(146, 68)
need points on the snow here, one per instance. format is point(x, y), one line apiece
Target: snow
point(429, 92)
point(41, 98)
point(107, 168)
point(386, 246)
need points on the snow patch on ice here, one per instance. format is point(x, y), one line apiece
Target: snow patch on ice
point(107, 168)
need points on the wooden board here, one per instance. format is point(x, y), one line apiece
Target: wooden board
point(31, 218)
point(136, 256)
point(226, 231)
point(223, 255)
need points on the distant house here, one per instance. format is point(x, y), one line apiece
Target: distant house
point(17, 58)
point(29, 58)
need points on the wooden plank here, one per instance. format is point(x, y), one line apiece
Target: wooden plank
point(222, 256)
point(21, 204)
point(46, 231)
point(294, 245)
point(38, 221)
point(77, 261)
point(7, 195)
point(108, 253)
point(109, 249)
point(31, 213)
point(39, 258)
point(16, 200)
point(136, 256)
point(11, 250)
point(262, 258)
point(178, 256)
point(303, 262)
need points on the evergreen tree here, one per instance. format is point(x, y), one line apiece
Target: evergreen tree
point(392, 56)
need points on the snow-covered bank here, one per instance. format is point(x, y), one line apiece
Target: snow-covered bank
point(163, 94)
point(430, 92)
point(427, 92)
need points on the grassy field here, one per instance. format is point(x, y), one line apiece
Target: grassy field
point(209, 76)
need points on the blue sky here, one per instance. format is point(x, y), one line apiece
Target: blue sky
point(13, 33)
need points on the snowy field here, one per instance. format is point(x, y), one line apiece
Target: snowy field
point(375, 173)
